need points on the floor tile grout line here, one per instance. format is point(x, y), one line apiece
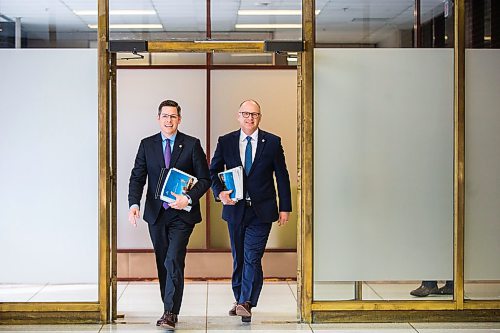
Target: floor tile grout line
point(291, 290)
point(121, 294)
point(376, 293)
point(36, 293)
point(413, 327)
point(206, 309)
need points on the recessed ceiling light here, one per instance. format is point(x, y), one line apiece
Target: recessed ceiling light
point(248, 12)
point(130, 26)
point(116, 12)
point(268, 26)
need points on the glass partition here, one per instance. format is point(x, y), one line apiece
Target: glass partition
point(482, 128)
point(47, 24)
point(383, 172)
point(382, 23)
point(156, 20)
point(251, 20)
point(49, 176)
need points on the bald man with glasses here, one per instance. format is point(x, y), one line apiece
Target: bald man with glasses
point(249, 220)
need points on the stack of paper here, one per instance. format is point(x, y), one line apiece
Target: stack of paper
point(177, 182)
point(232, 179)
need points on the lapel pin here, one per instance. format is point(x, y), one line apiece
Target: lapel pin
point(263, 140)
point(180, 146)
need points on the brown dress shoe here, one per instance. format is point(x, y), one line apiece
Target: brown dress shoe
point(158, 322)
point(232, 312)
point(244, 310)
point(168, 320)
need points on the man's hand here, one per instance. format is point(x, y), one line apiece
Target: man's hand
point(133, 215)
point(283, 218)
point(181, 201)
point(225, 198)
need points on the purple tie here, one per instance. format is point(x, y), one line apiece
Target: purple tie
point(167, 154)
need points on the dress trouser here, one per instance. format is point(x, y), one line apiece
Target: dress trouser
point(170, 236)
point(248, 242)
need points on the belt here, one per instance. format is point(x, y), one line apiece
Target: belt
point(248, 203)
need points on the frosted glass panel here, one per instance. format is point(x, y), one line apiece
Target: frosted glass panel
point(139, 93)
point(383, 164)
point(49, 170)
point(482, 161)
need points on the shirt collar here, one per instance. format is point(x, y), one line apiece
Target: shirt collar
point(172, 138)
point(254, 135)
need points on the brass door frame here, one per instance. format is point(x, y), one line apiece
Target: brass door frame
point(310, 310)
point(83, 312)
point(457, 309)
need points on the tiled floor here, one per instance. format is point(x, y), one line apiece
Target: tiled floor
point(205, 307)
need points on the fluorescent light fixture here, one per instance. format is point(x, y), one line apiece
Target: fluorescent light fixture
point(268, 26)
point(291, 59)
point(251, 12)
point(487, 38)
point(116, 12)
point(130, 26)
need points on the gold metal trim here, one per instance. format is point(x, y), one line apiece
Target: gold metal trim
point(104, 166)
point(382, 305)
point(48, 307)
point(459, 156)
point(206, 46)
point(114, 175)
point(305, 220)
point(378, 316)
point(481, 304)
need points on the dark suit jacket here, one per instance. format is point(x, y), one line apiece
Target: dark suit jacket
point(269, 159)
point(187, 155)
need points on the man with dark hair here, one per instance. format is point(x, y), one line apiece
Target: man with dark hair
point(249, 220)
point(170, 226)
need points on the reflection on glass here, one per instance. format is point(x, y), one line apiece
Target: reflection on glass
point(383, 24)
point(257, 20)
point(46, 24)
point(157, 20)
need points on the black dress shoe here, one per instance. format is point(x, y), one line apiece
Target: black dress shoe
point(423, 291)
point(445, 290)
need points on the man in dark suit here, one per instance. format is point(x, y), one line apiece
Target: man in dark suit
point(169, 224)
point(249, 220)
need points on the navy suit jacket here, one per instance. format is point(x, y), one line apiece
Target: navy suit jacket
point(269, 159)
point(187, 155)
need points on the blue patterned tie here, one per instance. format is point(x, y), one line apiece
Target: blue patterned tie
point(248, 155)
point(167, 155)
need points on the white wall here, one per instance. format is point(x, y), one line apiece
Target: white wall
point(383, 164)
point(49, 171)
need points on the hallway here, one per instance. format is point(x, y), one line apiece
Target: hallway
point(205, 309)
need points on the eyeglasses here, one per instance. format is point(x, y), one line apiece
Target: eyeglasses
point(169, 116)
point(254, 115)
